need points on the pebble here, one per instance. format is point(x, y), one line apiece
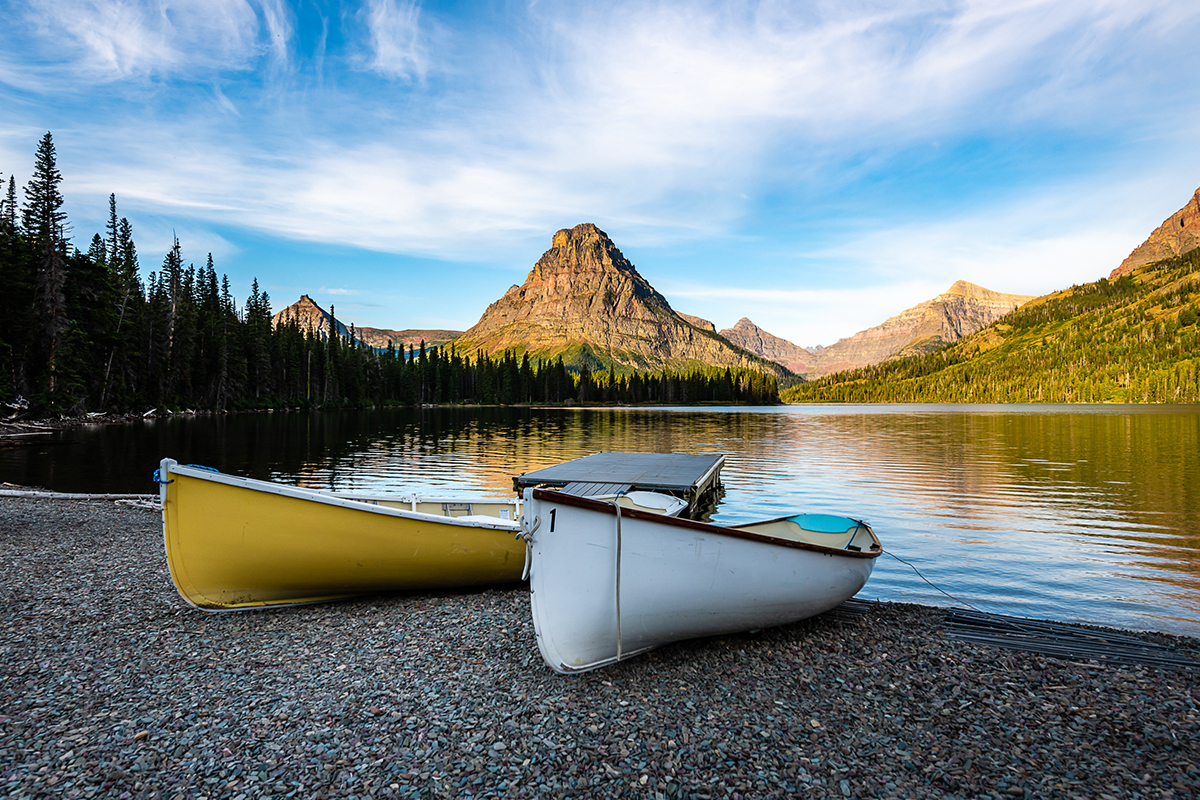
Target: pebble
point(112, 687)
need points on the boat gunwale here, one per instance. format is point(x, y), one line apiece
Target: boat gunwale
point(297, 493)
point(708, 527)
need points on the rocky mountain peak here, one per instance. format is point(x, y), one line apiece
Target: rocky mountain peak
point(960, 310)
point(699, 322)
point(311, 317)
point(584, 260)
point(585, 301)
point(1179, 234)
point(971, 290)
point(746, 334)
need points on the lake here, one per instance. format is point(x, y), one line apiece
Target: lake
point(1075, 513)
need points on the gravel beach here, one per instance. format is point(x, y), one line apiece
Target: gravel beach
point(113, 687)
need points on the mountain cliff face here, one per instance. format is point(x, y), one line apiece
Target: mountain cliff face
point(1178, 235)
point(312, 316)
point(960, 311)
point(586, 302)
point(699, 322)
point(747, 335)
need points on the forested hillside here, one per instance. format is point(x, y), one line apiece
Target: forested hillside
point(83, 332)
point(1130, 340)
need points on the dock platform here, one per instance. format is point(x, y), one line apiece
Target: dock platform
point(690, 477)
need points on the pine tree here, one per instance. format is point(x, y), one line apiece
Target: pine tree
point(45, 225)
point(16, 299)
point(127, 288)
point(8, 213)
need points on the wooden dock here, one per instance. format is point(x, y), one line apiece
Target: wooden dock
point(690, 477)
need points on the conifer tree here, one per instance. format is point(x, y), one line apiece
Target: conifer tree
point(15, 299)
point(8, 213)
point(127, 294)
point(45, 225)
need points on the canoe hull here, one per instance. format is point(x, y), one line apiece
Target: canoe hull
point(235, 543)
point(677, 580)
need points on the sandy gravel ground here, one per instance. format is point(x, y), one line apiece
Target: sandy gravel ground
point(112, 687)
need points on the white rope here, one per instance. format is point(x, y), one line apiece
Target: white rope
point(527, 536)
point(617, 505)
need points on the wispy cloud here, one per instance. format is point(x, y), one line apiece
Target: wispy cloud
point(394, 28)
point(110, 40)
point(660, 117)
point(1034, 244)
point(328, 290)
point(839, 135)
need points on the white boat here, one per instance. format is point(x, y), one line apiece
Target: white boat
point(607, 584)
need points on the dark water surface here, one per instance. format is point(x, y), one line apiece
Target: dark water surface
point(1076, 513)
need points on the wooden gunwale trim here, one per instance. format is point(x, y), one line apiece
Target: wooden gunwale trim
point(706, 527)
point(267, 487)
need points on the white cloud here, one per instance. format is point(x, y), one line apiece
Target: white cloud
point(395, 33)
point(1034, 244)
point(657, 117)
point(658, 121)
point(121, 39)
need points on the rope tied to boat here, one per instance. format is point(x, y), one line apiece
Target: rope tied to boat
point(527, 536)
point(157, 479)
point(617, 505)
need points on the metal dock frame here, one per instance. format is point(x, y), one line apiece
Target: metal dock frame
point(694, 478)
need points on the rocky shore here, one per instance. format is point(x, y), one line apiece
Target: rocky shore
point(113, 687)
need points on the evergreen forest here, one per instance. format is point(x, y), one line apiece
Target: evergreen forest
point(1135, 339)
point(85, 332)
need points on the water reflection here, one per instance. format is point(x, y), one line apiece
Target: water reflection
point(1078, 513)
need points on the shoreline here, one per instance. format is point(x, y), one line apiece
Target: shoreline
point(22, 431)
point(114, 687)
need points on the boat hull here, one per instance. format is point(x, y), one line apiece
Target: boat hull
point(236, 543)
point(598, 597)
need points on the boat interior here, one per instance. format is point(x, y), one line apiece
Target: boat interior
point(826, 530)
point(488, 508)
point(492, 508)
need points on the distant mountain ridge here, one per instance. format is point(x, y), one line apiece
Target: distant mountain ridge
point(1179, 234)
point(959, 311)
point(311, 316)
point(1135, 339)
point(753, 338)
point(585, 302)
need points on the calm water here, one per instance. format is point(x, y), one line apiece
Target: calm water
point(1075, 513)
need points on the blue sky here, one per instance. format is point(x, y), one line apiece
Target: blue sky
point(815, 166)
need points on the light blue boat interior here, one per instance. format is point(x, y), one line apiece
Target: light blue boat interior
point(823, 523)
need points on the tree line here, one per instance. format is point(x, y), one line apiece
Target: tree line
point(84, 332)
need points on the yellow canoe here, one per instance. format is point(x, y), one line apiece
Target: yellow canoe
point(237, 543)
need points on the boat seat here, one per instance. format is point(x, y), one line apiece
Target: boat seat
point(486, 518)
point(586, 489)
